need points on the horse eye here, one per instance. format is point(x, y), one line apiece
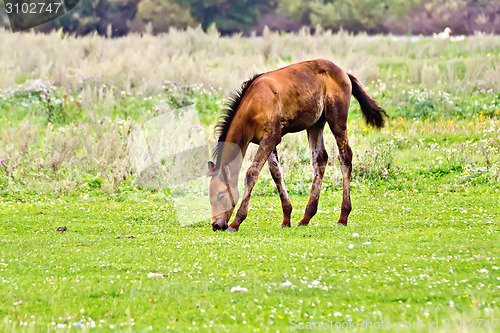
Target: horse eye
point(220, 195)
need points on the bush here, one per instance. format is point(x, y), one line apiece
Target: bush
point(162, 15)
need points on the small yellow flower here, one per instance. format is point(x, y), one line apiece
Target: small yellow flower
point(121, 292)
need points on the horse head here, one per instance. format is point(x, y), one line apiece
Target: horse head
point(223, 193)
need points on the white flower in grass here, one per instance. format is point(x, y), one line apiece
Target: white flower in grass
point(156, 275)
point(355, 234)
point(483, 270)
point(351, 246)
point(286, 284)
point(238, 289)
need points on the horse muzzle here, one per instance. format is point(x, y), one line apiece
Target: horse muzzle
point(219, 224)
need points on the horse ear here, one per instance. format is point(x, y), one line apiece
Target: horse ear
point(225, 175)
point(211, 168)
point(227, 170)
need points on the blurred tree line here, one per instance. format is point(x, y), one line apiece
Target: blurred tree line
point(396, 16)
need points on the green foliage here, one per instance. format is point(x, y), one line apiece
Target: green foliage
point(162, 15)
point(234, 16)
point(376, 162)
point(208, 102)
point(334, 14)
point(40, 99)
point(346, 13)
point(94, 182)
point(4, 19)
point(83, 19)
point(298, 10)
point(432, 104)
point(228, 15)
point(63, 134)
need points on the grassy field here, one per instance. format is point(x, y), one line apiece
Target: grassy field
point(406, 257)
point(422, 240)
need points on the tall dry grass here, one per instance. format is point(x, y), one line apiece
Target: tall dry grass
point(140, 63)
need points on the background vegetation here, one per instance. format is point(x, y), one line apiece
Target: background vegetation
point(394, 16)
point(66, 114)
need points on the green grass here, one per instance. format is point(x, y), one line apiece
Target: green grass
point(415, 254)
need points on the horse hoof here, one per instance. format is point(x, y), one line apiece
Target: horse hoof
point(285, 226)
point(231, 229)
point(301, 225)
point(341, 224)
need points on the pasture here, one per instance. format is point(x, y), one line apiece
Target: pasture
point(421, 244)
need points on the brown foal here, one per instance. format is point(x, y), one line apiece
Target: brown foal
point(302, 96)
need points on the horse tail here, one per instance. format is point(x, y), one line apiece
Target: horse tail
point(374, 114)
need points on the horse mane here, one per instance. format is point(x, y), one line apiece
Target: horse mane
point(227, 115)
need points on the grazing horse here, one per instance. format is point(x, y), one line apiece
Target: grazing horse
point(302, 96)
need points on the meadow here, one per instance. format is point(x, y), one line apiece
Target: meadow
point(422, 240)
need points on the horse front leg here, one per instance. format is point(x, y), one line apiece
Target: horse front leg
point(276, 173)
point(319, 161)
point(266, 147)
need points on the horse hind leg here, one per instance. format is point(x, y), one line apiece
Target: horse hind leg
point(345, 159)
point(276, 173)
point(338, 125)
point(319, 161)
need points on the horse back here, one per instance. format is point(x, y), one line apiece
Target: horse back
point(295, 97)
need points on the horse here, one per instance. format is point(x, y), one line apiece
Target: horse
point(301, 96)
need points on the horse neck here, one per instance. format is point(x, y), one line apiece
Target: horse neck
point(236, 143)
